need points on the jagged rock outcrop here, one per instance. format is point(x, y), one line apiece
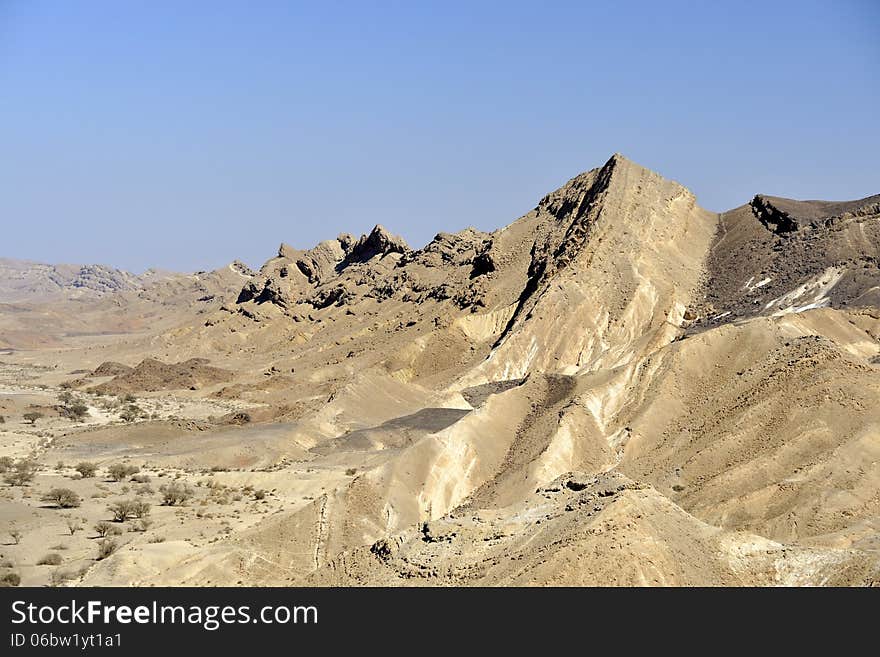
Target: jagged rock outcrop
point(776, 256)
point(379, 242)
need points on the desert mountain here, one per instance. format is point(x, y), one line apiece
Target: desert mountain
point(44, 305)
point(619, 387)
point(22, 280)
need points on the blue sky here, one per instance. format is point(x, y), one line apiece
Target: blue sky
point(186, 134)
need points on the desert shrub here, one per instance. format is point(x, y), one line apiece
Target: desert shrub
point(77, 411)
point(175, 493)
point(104, 528)
point(259, 494)
point(10, 579)
point(59, 546)
point(6, 464)
point(51, 559)
point(351, 471)
point(143, 524)
point(119, 471)
point(126, 509)
point(678, 488)
point(156, 539)
point(73, 525)
point(106, 547)
point(121, 510)
point(141, 479)
point(65, 397)
point(32, 416)
point(63, 498)
point(6, 563)
point(131, 413)
point(59, 576)
point(129, 398)
point(60, 465)
point(16, 535)
point(21, 473)
point(2, 420)
point(140, 508)
point(144, 489)
point(86, 469)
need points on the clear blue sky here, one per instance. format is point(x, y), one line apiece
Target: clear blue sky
point(186, 134)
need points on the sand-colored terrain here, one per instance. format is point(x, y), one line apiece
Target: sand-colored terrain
point(618, 388)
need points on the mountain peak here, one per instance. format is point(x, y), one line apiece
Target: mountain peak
point(379, 242)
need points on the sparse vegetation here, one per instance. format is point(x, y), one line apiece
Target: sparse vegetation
point(21, 473)
point(140, 508)
point(77, 411)
point(119, 471)
point(106, 547)
point(125, 509)
point(73, 524)
point(60, 576)
point(143, 524)
point(104, 529)
point(86, 469)
point(120, 510)
point(32, 416)
point(16, 535)
point(51, 559)
point(10, 579)
point(63, 498)
point(141, 479)
point(351, 471)
point(6, 464)
point(144, 489)
point(175, 493)
point(131, 413)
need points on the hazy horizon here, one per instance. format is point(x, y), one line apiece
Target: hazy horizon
point(185, 137)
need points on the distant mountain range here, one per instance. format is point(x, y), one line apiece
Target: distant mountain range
point(24, 280)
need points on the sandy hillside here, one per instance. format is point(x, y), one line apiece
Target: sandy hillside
point(618, 388)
